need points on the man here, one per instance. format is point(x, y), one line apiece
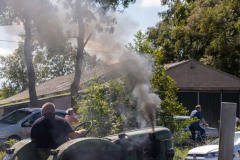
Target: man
point(50, 131)
point(195, 126)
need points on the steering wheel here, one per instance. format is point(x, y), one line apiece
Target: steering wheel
point(84, 125)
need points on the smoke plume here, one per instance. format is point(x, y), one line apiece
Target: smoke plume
point(138, 70)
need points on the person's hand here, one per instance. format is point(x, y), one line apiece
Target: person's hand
point(81, 132)
point(206, 124)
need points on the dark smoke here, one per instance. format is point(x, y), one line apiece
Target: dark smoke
point(138, 70)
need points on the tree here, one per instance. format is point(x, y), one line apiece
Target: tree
point(1, 94)
point(83, 13)
point(51, 63)
point(207, 31)
point(37, 18)
point(13, 69)
point(48, 63)
point(218, 30)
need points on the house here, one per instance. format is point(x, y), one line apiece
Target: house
point(197, 83)
point(55, 90)
point(204, 85)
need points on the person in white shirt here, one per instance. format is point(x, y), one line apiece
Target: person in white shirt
point(237, 120)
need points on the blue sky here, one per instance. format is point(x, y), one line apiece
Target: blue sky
point(145, 13)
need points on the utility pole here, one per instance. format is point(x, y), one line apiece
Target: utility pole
point(227, 130)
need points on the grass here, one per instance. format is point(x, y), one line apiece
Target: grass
point(2, 152)
point(181, 152)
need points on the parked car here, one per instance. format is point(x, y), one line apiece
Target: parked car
point(210, 131)
point(17, 124)
point(210, 151)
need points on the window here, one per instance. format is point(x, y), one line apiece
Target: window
point(61, 114)
point(15, 117)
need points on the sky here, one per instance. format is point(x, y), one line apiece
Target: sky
point(140, 16)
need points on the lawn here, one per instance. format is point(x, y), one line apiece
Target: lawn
point(2, 152)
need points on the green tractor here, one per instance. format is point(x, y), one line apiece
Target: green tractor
point(140, 144)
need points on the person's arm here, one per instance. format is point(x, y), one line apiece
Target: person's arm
point(204, 122)
point(77, 134)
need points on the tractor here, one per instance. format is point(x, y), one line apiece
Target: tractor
point(140, 144)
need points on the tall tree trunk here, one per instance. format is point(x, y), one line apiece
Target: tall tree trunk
point(79, 58)
point(28, 59)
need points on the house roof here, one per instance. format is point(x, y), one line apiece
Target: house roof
point(191, 75)
point(61, 84)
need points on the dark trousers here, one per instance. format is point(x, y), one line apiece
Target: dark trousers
point(196, 127)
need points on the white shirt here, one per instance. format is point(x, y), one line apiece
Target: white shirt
point(236, 121)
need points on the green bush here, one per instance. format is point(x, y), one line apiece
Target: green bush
point(107, 104)
point(181, 153)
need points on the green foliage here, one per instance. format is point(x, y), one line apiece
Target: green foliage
point(107, 104)
point(13, 69)
point(11, 142)
point(48, 63)
point(207, 31)
point(39, 21)
point(1, 95)
point(7, 90)
point(166, 89)
point(181, 153)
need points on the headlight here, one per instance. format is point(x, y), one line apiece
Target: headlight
point(211, 155)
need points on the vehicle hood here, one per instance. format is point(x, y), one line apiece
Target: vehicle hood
point(204, 149)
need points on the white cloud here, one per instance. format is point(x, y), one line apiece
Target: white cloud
point(150, 3)
point(5, 52)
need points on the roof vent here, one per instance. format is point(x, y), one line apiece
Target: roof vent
point(192, 65)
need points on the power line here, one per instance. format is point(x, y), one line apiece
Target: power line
point(88, 50)
point(3, 40)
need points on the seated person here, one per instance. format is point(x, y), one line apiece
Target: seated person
point(195, 126)
point(70, 118)
point(50, 131)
